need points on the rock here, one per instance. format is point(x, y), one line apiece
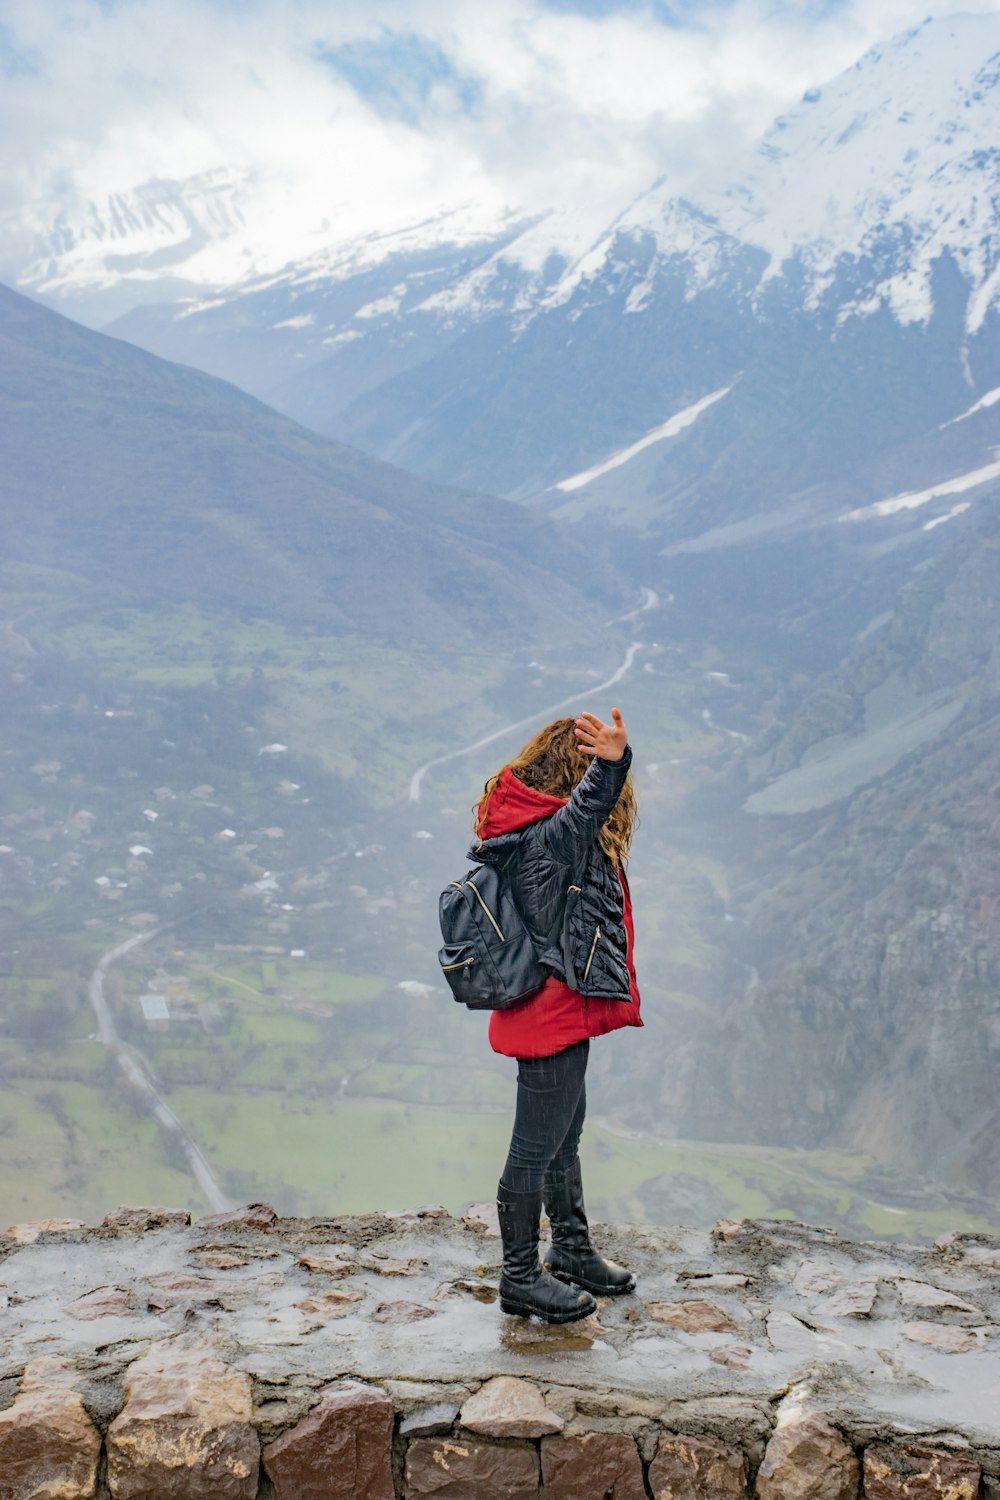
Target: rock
point(409, 1396)
point(595, 1463)
point(287, 1325)
point(186, 1431)
point(922, 1294)
point(102, 1302)
point(950, 1338)
point(144, 1219)
point(246, 1252)
point(915, 1473)
point(401, 1312)
point(339, 1450)
point(483, 1291)
point(509, 1407)
point(983, 1255)
point(807, 1458)
point(250, 1216)
point(728, 1229)
point(790, 1335)
point(328, 1304)
point(815, 1276)
point(49, 1447)
point(222, 1260)
point(182, 1281)
point(27, 1234)
point(854, 1301)
point(485, 1216)
point(422, 1211)
point(449, 1469)
point(386, 1265)
point(723, 1281)
point(209, 1288)
point(430, 1421)
point(696, 1468)
point(329, 1265)
point(692, 1317)
point(733, 1356)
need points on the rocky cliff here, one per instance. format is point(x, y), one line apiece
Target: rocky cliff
point(871, 902)
point(327, 1359)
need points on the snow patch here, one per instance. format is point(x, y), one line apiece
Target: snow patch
point(670, 428)
point(383, 306)
point(990, 399)
point(950, 515)
point(914, 498)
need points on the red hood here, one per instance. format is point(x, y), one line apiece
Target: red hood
point(513, 805)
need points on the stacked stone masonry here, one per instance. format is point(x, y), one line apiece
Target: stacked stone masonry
point(248, 1357)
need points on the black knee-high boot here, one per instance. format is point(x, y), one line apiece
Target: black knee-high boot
point(572, 1257)
point(525, 1288)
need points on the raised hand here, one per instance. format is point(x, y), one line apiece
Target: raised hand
point(605, 740)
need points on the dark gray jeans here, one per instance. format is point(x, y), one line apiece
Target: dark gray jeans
point(548, 1117)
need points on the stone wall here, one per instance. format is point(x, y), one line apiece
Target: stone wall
point(248, 1356)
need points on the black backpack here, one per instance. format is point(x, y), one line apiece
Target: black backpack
point(487, 957)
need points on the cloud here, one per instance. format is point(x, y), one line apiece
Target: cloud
point(361, 117)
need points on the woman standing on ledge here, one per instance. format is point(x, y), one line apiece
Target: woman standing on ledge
point(559, 818)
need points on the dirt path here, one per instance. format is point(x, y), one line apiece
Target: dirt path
point(573, 700)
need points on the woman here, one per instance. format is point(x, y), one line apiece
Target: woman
point(559, 817)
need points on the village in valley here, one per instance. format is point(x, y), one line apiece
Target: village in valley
point(228, 956)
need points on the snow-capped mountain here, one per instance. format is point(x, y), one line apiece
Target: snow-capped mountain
point(890, 165)
point(122, 246)
point(813, 337)
point(208, 234)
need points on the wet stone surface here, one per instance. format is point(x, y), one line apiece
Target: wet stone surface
point(693, 1468)
point(340, 1450)
point(48, 1444)
point(807, 1458)
point(915, 1473)
point(598, 1463)
point(764, 1356)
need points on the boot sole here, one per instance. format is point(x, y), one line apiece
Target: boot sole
point(590, 1286)
point(517, 1310)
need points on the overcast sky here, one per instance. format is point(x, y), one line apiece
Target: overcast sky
point(368, 114)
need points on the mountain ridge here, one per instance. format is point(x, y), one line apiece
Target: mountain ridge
point(847, 347)
point(124, 434)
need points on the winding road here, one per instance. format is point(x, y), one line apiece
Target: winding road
point(487, 739)
point(137, 1072)
point(650, 600)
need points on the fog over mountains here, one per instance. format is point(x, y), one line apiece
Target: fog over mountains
point(748, 443)
point(836, 293)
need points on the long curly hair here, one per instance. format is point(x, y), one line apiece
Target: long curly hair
point(553, 762)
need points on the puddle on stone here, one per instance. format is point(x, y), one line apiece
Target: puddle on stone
point(522, 1335)
point(483, 1291)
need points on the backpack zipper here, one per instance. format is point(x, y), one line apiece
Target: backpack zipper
point(486, 909)
point(463, 963)
point(593, 949)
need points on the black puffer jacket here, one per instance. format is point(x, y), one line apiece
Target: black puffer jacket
point(567, 889)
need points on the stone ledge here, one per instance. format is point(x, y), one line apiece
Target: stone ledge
point(242, 1358)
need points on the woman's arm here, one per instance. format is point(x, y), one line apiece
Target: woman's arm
point(569, 833)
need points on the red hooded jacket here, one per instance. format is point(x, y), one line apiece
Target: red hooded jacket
point(555, 1016)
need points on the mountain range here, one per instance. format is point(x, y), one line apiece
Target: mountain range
point(813, 335)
